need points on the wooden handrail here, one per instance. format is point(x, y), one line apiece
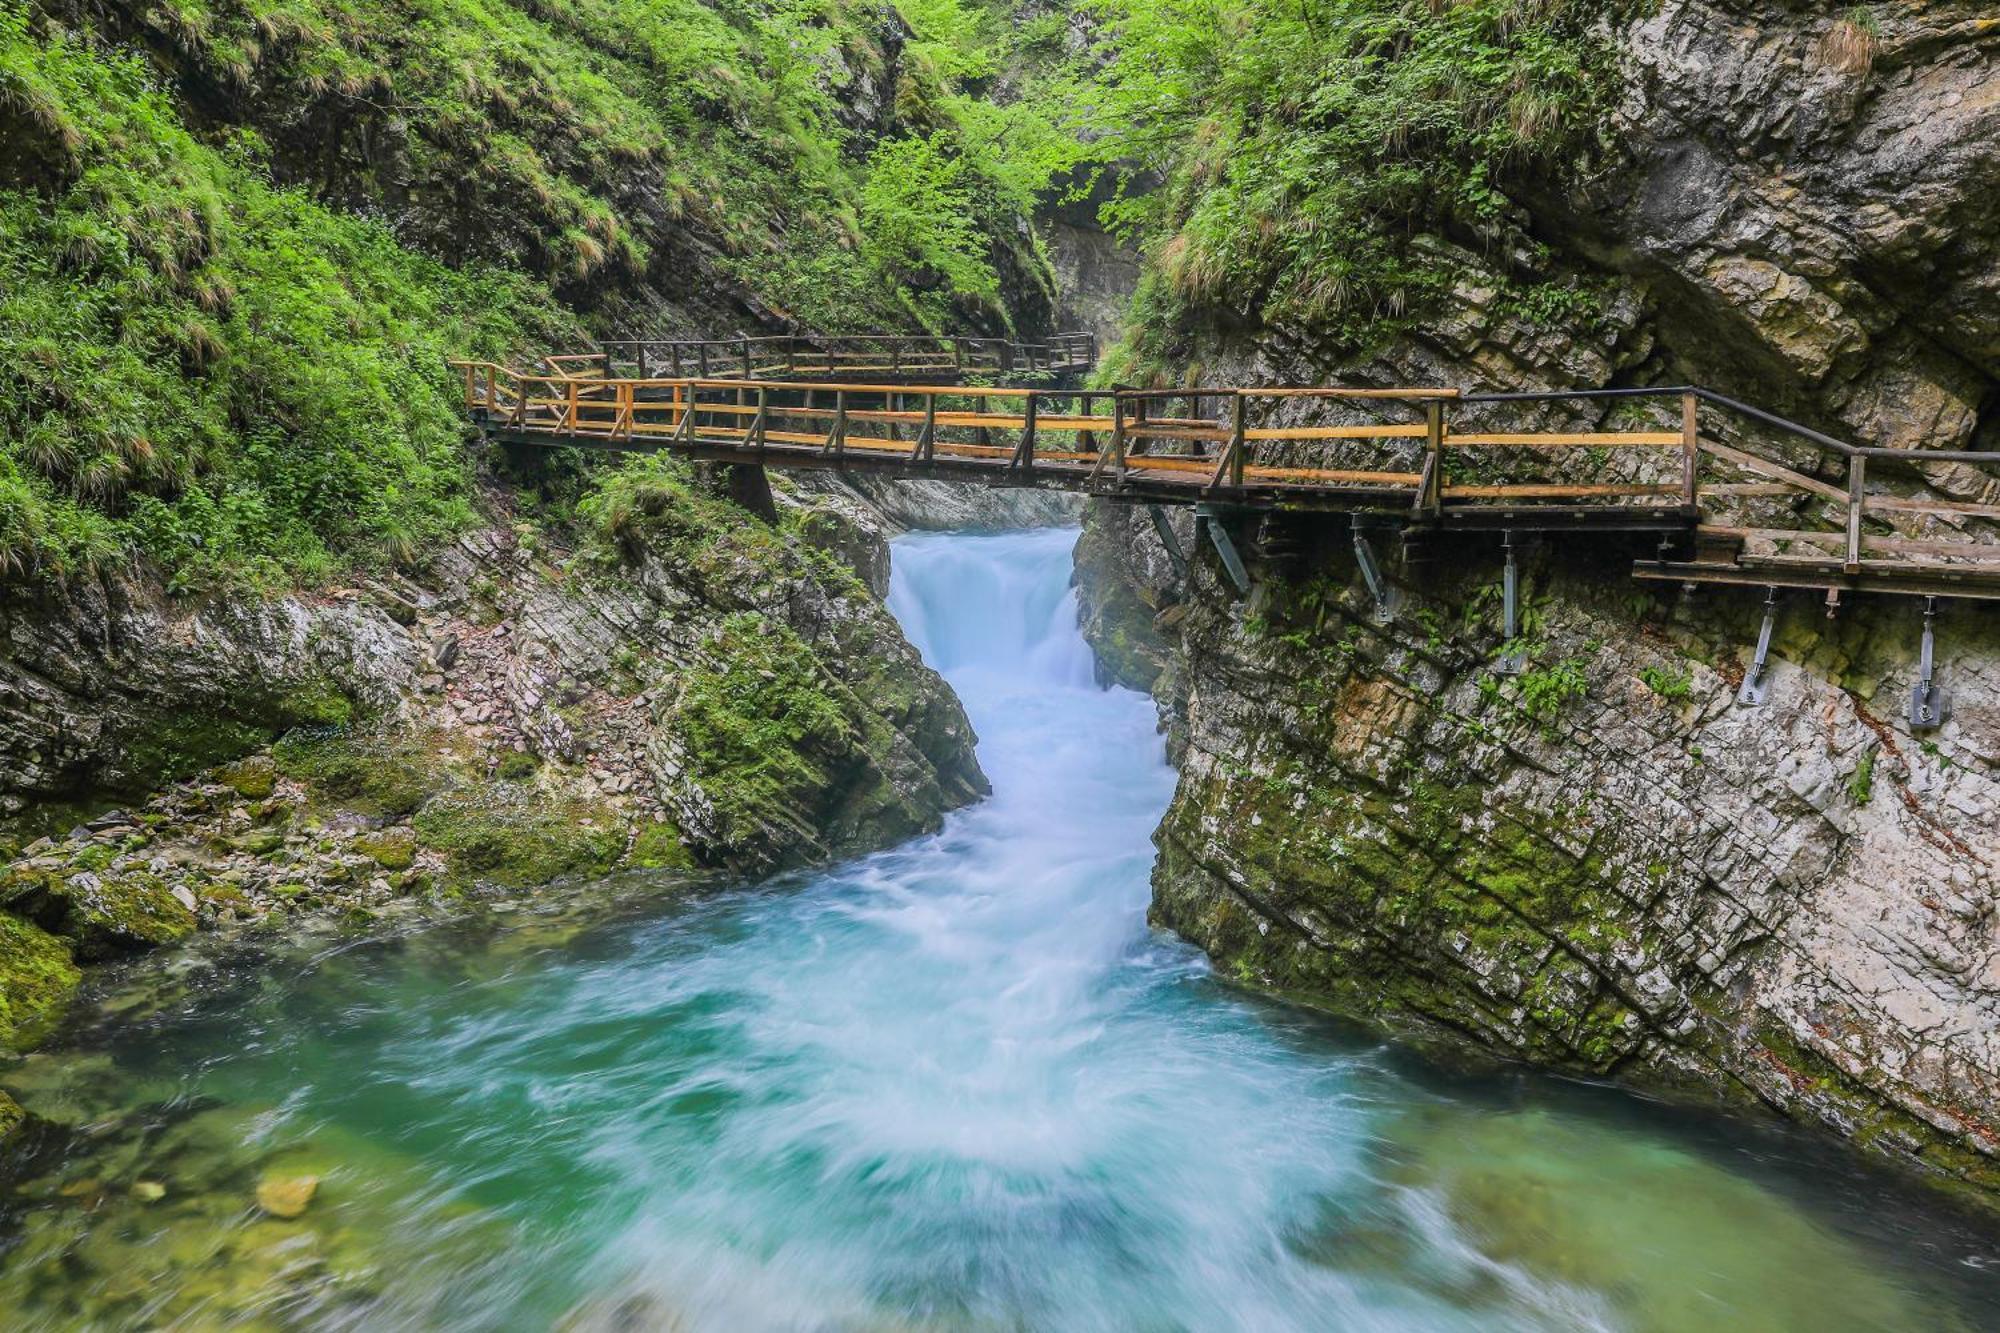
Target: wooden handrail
point(1230, 443)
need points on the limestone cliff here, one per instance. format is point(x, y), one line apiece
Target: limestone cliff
point(1604, 864)
point(680, 687)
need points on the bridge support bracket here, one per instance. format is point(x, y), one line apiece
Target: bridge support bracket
point(1206, 516)
point(1928, 705)
point(1513, 659)
point(1756, 683)
point(1165, 531)
point(1387, 599)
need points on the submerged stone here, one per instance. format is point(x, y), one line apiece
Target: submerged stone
point(286, 1196)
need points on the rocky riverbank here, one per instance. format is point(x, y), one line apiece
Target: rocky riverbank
point(679, 688)
point(1603, 863)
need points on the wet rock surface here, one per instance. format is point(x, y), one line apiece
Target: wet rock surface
point(1603, 863)
point(705, 693)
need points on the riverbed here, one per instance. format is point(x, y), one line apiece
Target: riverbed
point(957, 1085)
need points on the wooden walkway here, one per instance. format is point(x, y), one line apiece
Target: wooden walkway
point(1778, 505)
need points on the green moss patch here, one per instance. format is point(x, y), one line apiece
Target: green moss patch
point(37, 977)
point(102, 912)
point(392, 849)
point(384, 776)
point(494, 835)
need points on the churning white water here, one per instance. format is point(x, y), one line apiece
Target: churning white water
point(961, 1085)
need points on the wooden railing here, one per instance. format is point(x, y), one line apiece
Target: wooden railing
point(1424, 454)
point(841, 356)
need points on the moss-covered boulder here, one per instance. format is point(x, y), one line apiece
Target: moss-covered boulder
point(499, 834)
point(37, 977)
point(392, 849)
point(254, 777)
point(387, 775)
point(101, 912)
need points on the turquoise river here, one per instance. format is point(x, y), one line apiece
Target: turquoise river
point(959, 1085)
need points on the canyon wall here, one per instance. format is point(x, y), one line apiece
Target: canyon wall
point(1604, 863)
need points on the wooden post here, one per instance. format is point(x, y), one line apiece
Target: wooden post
point(569, 407)
point(981, 434)
point(1857, 502)
point(839, 435)
point(1690, 452)
point(1118, 435)
point(1024, 453)
point(701, 358)
point(1237, 442)
point(1086, 438)
point(958, 354)
point(758, 426)
point(926, 446)
point(674, 349)
point(1432, 499)
point(747, 371)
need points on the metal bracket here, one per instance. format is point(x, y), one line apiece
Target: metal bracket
point(1386, 597)
point(1927, 702)
point(1515, 659)
point(1224, 547)
point(1165, 531)
point(1756, 687)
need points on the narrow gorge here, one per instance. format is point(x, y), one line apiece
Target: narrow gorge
point(681, 847)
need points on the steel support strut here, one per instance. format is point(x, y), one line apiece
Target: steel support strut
point(1756, 687)
point(1513, 658)
point(1225, 546)
point(1927, 701)
point(1371, 573)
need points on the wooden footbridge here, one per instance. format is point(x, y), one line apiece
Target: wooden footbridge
point(1779, 505)
point(1725, 492)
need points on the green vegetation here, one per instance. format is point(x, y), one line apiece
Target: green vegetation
point(1316, 153)
point(223, 336)
point(758, 728)
point(1861, 784)
point(36, 980)
point(383, 776)
point(1545, 691)
point(1667, 682)
point(493, 835)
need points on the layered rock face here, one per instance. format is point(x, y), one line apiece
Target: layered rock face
point(691, 690)
point(1603, 863)
point(1790, 207)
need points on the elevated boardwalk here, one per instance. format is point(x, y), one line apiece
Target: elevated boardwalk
point(1779, 505)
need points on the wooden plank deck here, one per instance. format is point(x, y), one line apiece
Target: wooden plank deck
point(1234, 448)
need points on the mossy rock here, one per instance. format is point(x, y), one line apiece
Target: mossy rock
point(257, 842)
point(493, 836)
point(100, 912)
point(185, 744)
point(659, 847)
point(392, 849)
point(383, 776)
point(12, 1117)
point(517, 766)
point(253, 778)
point(37, 978)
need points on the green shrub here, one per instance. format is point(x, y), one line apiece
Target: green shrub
point(1667, 682)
